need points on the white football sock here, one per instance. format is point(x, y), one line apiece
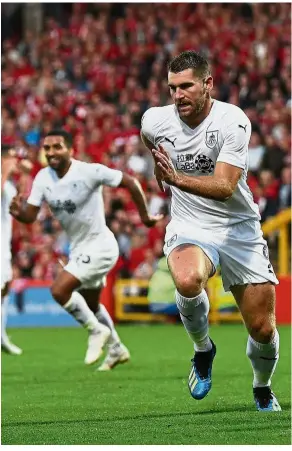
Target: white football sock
point(4, 312)
point(78, 308)
point(264, 359)
point(194, 315)
point(104, 318)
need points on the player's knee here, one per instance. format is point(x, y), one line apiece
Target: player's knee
point(262, 330)
point(191, 284)
point(59, 294)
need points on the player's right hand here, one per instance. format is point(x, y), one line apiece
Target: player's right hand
point(159, 177)
point(16, 205)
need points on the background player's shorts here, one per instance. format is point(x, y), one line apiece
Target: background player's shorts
point(91, 261)
point(6, 271)
point(240, 249)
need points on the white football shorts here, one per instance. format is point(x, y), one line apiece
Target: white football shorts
point(240, 249)
point(91, 261)
point(6, 270)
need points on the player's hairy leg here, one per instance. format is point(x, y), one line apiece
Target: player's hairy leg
point(257, 305)
point(190, 269)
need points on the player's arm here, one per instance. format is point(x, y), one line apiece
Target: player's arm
point(138, 196)
point(22, 210)
point(27, 211)
point(157, 172)
point(228, 170)
point(100, 174)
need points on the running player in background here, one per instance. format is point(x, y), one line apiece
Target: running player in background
point(73, 191)
point(214, 219)
point(9, 166)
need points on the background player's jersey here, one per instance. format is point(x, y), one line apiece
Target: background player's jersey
point(223, 136)
point(76, 199)
point(9, 191)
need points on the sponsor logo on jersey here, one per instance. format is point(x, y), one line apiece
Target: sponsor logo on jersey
point(67, 206)
point(185, 162)
point(170, 141)
point(204, 164)
point(212, 138)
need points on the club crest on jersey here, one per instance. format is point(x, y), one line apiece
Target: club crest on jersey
point(212, 138)
point(204, 164)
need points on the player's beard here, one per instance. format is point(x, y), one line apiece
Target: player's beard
point(197, 106)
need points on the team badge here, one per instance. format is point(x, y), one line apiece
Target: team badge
point(204, 164)
point(212, 138)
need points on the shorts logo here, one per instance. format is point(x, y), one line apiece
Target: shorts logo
point(212, 138)
point(171, 240)
point(204, 164)
point(266, 252)
point(83, 258)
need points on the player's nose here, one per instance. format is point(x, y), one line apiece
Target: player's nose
point(178, 94)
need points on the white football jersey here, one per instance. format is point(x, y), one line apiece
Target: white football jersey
point(76, 199)
point(9, 191)
point(223, 136)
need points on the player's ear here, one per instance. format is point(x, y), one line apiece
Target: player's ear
point(208, 84)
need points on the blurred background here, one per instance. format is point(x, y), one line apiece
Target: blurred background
point(94, 69)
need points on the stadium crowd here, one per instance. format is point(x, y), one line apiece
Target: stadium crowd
point(95, 70)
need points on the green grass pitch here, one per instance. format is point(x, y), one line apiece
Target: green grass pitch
point(50, 397)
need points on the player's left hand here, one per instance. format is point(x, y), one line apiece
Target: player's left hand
point(151, 220)
point(165, 165)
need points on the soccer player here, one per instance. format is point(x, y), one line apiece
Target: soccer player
point(8, 191)
point(200, 149)
point(73, 191)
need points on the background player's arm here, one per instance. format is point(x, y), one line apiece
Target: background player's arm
point(138, 196)
point(27, 211)
point(23, 211)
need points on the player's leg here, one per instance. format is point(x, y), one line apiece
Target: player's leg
point(117, 351)
point(63, 291)
point(257, 305)
point(248, 273)
point(190, 268)
point(6, 344)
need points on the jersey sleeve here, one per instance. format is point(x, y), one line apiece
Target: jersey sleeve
point(150, 124)
point(36, 196)
point(235, 146)
point(102, 175)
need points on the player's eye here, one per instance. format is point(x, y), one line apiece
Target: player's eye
point(46, 148)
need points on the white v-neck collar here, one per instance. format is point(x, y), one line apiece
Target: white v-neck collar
point(55, 176)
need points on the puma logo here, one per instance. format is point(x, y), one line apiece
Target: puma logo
point(244, 127)
point(171, 142)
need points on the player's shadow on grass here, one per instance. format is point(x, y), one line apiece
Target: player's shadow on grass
point(239, 408)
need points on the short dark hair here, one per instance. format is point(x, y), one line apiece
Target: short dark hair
point(66, 135)
point(190, 60)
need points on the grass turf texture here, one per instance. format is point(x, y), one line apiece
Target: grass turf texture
point(50, 397)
